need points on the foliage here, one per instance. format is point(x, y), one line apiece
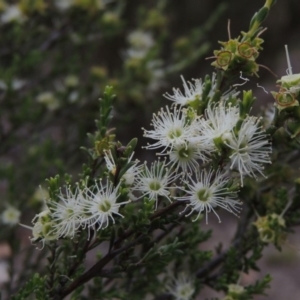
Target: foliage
point(142, 224)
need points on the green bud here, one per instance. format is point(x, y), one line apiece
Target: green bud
point(130, 147)
point(270, 228)
point(262, 14)
point(223, 59)
point(284, 99)
point(246, 104)
point(246, 50)
point(207, 87)
point(219, 143)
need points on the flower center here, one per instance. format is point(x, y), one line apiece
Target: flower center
point(175, 133)
point(243, 149)
point(105, 206)
point(204, 195)
point(154, 186)
point(70, 211)
point(186, 291)
point(184, 153)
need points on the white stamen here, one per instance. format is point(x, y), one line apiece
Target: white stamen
point(245, 81)
point(262, 88)
point(289, 70)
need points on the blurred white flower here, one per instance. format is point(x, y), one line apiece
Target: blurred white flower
point(73, 97)
point(3, 85)
point(140, 39)
point(48, 99)
point(182, 288)
point(71, 81)
point(63, 4)
point(12, 13)
point(157, 75)
point(140, 43)
point(17, 84)
point(10, 216)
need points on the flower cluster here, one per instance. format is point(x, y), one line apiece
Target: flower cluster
point(238, 54)
point(90, 208)
point(190, 141)
point(203, 151)
point(223, 133)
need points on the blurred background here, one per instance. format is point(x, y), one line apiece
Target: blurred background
point(56, 57)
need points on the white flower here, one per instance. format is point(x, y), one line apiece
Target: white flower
point(63, 4)
point(12, 13)
point(235, 289)
point(219, 121)
point(186, 156)
point(65, 214)
point(157, 73)
point(73, 96)
point(156, 181)
point(182, 288)
point(71, 81)
point(10, 216)
point(170, 128)
point(39, 197)
point(48, 99)
point(250, 148)
point(3, 85)
point(208, 191)
point(99, 205)
point(140, 39)
point(191, 93)
point(140, 42)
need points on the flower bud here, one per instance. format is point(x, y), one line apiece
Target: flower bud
point(284, 99)
point(270, 228)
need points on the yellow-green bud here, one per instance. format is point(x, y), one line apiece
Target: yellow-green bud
point(284, 99)
point(270, 228)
